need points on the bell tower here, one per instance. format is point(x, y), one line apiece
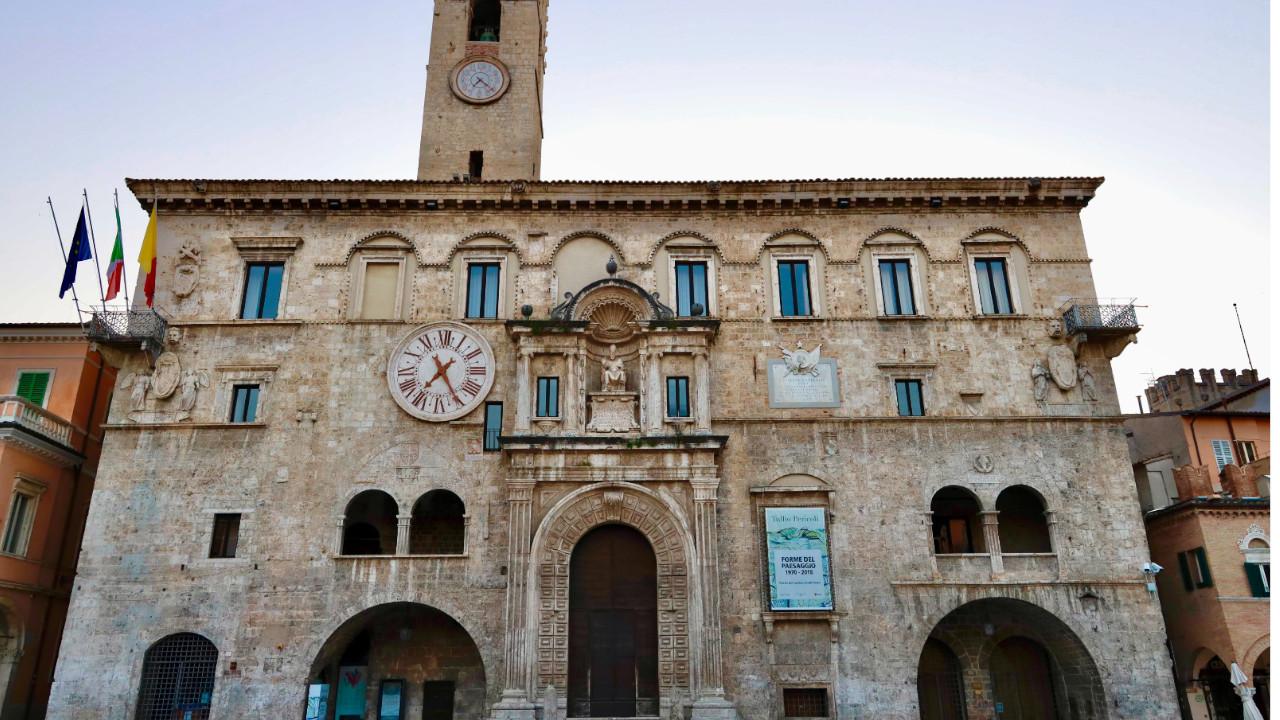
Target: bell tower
point(482, 114)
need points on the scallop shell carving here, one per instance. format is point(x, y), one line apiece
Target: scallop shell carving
point(612, 321)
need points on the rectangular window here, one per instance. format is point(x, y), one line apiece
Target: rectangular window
point(896, 290)
point(1246, 451)
point(475, 166)
point(910, 397)
point(1184, 571)
point(1259, 575)
point(33, 386)
point(482, 289)
point(262, 283)
point(548, 397)
point(993, 286)
point(17, 530)
point(226, 535)
point(1222, 453)
point(804, 702)
point(677, 397)
point(492, 426)
point(380, 290)
point(691, 289)
point(244, 403)
point(391, 700)
point(1201, 568)
point(793, 288)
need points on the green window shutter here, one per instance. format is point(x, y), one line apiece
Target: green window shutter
point(33, 386)
point(1253, 571)
point(1185, 570)
point(1203, 561)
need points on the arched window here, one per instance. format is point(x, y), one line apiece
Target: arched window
point(956, 526)
point(369, 527)
point(439, 525)
point(177, 678)
point(1023, 528)
point(486, 21)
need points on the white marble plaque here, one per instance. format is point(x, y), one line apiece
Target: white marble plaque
point(818, 388)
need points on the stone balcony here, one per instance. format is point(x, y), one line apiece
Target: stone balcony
point(977, 568)
point(37, 429)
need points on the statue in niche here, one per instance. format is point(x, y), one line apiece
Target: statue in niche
point(1088, 385)
point(1040, 380)
point(613, 378)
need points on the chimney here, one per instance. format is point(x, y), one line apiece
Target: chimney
point(1229, 377)
point(1192, 482)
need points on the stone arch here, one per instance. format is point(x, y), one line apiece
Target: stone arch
point(974, 629)
point(400, 241)
point(370, 518)
point(956, 513)
point(617, 249)
point(438, 525)
point(178, 670)
point(1023, 522)
point(410, 641)
point(772, 241)
point(677, 235)
point(1250, 657)
point(908, 238)
point(975, 238)
point(472, 241)
point(1255, 532)
point(666, 528)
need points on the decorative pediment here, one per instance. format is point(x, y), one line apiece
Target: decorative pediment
point(614, 307)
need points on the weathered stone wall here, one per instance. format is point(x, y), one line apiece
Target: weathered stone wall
point(329, 429)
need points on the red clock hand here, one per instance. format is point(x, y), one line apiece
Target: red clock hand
point(441, 370)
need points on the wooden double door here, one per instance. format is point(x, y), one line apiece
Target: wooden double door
point(613, 625)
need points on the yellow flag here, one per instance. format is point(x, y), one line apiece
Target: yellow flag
point(147, 258)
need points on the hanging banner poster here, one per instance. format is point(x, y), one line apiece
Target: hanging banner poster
point(352, 681)
point(799, 566)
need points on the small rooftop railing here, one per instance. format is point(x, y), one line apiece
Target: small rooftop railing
point(127, 327)
point(1100, 316)
point(24, 413)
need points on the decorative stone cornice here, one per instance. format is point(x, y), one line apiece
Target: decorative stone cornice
point(21, 437)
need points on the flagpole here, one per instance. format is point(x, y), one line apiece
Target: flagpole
point(93, 240)
point(124, 273)
point(63, 248)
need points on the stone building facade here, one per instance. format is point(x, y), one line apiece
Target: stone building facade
point(519, 448)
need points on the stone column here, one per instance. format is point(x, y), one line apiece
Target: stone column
point(337, 539)
point(702, 388)
point(933, 556)
point(991, 532)
point(522, 390)
point(646, 400)
point(653, 390)
point(516, 703)
point(569, 406)
point(402, 534)
point(1054, 544)
point(711, 702)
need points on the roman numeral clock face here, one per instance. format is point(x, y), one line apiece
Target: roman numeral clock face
point(440, 371)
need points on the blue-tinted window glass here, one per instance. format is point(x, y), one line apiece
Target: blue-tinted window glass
point(492, 426)
point(678, 397)
point(691, 288)
point(271, 292)
point(993, 286)
point(793, 287)
point(262, 283)
point(244, 403)
point(895, 287)
point(482, 290)
point(548, 397)
point(910, 397)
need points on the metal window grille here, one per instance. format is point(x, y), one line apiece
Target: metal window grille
point(177, 678)
point(492, 426)
point(804, 702)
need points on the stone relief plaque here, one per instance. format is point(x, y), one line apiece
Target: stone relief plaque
point(167, 375)
point(817, 388)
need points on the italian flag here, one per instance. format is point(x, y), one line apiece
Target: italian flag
point(115, 270)
point(147, 258)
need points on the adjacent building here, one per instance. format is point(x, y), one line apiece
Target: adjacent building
point(479, 445)
point(1202, 461)
point(54, 392)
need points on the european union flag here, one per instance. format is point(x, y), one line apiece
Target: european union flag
point(79, 251)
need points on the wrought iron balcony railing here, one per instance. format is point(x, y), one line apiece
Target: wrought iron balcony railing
point(127, 327)
point(1100, 317)
point(26, 414)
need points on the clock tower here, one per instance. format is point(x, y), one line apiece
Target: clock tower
point(482, 116)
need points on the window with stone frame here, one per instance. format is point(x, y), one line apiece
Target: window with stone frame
point(226, 535)
point(692, 285)
point(23, 503)
point(1193, 568)
point(381, 271)
point(264, 282)
point(1257, 562)
point(896, 285)
point(33, 386)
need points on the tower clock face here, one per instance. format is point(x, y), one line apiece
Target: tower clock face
point(440, 371)
point(480, 81)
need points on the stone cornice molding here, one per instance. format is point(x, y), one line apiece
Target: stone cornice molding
point(24, 439)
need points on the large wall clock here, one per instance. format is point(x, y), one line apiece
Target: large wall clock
point(440, 371)
point(480, 80)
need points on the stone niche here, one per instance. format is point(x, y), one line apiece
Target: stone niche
point(614, 344)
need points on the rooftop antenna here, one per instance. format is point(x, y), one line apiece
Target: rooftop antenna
point(1242, 337)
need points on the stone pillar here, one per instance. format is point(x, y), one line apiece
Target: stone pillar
point(711, 702)
point(337, 539)
point(522, 391)
point(702, 388)
point(569, 405)
point(1055, 543)
point(402, 534)
point(933, 557)
point(991, 533)
point(646, 401)
point(516, 703)
point(653, 392)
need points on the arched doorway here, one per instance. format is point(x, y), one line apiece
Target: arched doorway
point(940, 683)
point(1018, 661)
point(613, 625)
point(1220, 695)
point(403, 660)
point(1023, 680)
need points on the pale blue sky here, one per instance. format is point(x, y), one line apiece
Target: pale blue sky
point(1168, 100)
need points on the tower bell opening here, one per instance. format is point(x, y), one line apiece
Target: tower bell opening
point(486, 21)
